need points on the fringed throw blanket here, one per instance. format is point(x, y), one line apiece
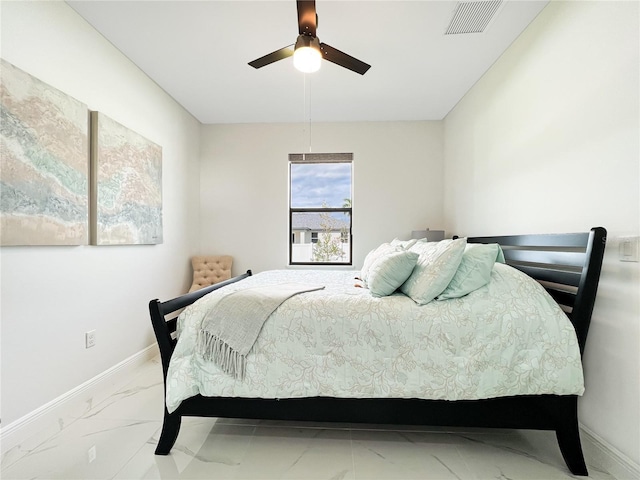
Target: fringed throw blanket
point(232, 326)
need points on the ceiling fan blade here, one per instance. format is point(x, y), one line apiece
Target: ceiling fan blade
point(272, 57)
point(307, 18)
point(334, 55)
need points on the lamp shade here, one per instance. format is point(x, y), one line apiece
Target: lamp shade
point(430, 235)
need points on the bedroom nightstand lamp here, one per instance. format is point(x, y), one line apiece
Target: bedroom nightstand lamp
point(307, 56)
point(430, 235)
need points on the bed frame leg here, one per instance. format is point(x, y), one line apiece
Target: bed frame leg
point(568, 435)
point(169, 435)
point(569, 442)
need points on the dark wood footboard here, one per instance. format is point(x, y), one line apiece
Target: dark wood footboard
point(568, 265)
point(164, 329)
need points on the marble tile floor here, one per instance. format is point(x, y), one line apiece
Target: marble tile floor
point(116, 436)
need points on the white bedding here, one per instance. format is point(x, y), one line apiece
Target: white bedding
point(506, 338)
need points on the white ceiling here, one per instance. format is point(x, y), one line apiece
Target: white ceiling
point(198, 51)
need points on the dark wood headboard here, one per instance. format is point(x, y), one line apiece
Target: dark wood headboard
point(568, 265)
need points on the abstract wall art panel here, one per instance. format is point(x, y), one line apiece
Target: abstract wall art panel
point(126, 185)
point(44, 163)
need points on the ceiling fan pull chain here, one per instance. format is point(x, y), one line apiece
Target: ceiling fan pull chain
point(304, 110)
point(309, 114)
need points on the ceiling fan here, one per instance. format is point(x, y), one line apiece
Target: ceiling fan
point(308, 51)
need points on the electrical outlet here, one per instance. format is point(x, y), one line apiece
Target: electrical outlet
point(628, 249)
point(90, 339)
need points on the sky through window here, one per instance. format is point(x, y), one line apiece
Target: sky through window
point(315, 184)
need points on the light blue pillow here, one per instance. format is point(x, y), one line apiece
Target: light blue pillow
point(436, 266)
point(372, 256)
point(474, 270)
point(390, 271)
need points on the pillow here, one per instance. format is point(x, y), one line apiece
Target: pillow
point(371, 257)
point(390, 271)
point(474, 270)
point(434, 270)
point(406, 244)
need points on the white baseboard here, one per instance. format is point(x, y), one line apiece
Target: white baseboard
point(13, 434)
point(604, 456)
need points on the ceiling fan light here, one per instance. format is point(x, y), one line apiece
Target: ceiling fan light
point(307, 59)
point(307, 56)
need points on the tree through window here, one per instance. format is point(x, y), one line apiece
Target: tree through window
point(320, 210)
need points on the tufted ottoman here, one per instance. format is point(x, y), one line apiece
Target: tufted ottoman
point(210, 269)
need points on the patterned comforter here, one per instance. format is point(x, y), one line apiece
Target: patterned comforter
point(506, 338)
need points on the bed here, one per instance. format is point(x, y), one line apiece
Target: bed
point(566, 266)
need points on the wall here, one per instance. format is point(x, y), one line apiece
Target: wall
point(52, 295)
point(548, 141)
point(397, 185)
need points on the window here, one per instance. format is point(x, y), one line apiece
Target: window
point(320, 209)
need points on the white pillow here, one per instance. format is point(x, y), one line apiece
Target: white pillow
point(406, 244)
point(390, 271)
point(434, 270)
point(371, 257)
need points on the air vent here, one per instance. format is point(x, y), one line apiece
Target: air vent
point(472, 16)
